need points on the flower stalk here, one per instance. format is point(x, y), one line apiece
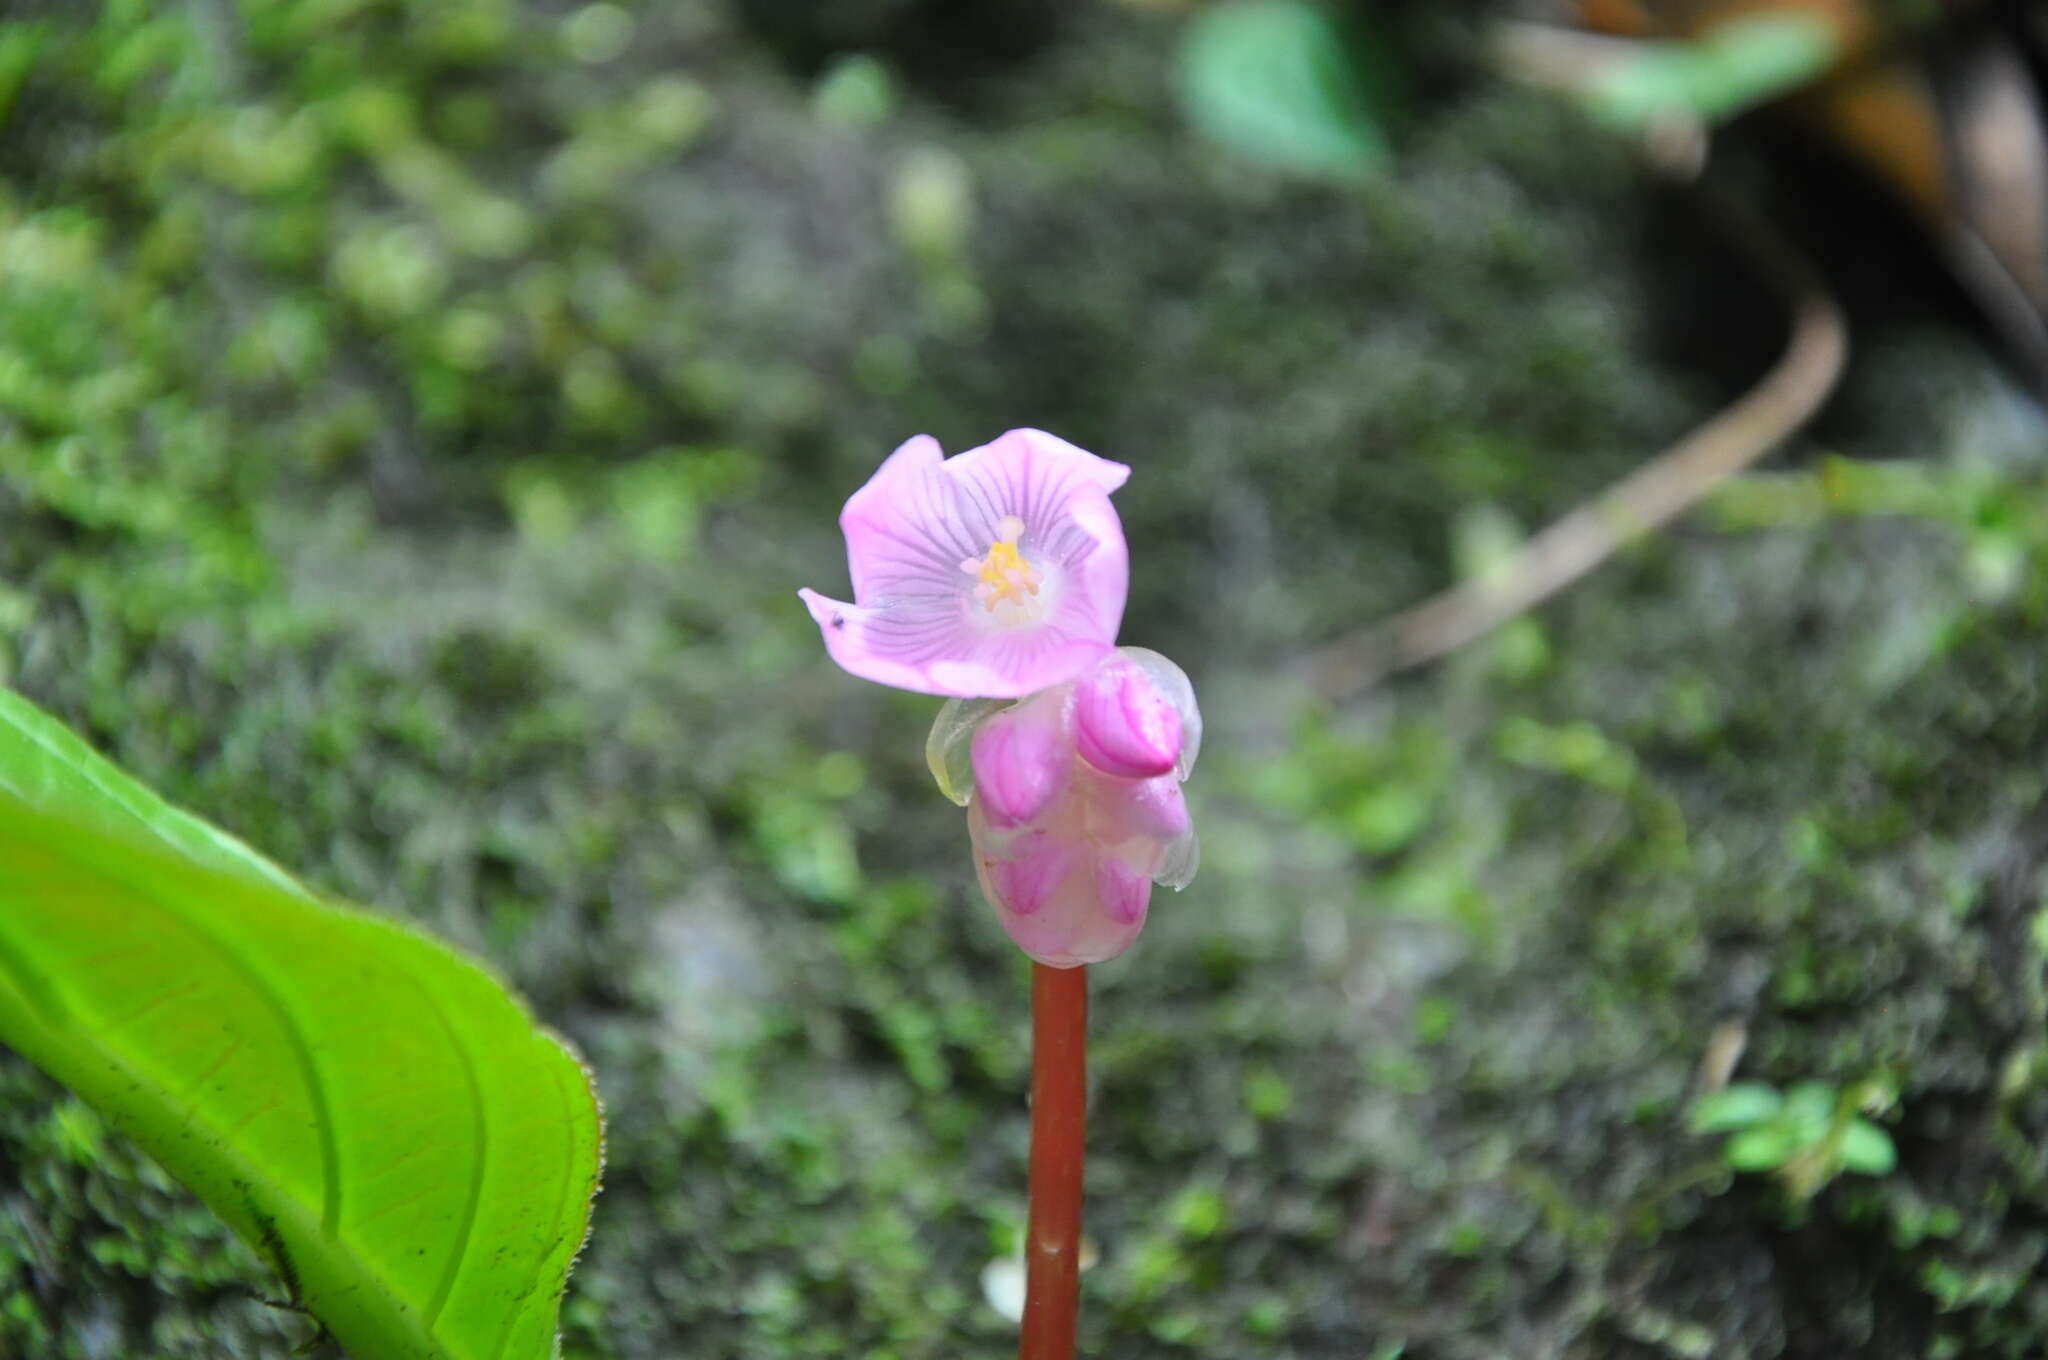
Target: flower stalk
point(1059, 1121)
point(997, 578)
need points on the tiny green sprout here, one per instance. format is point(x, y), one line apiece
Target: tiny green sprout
point(1806, 1136)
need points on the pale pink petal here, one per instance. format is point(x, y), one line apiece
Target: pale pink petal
point(1029, 473)
point(874, 645)
point(916, 622)
point(1096, 567)
point(905, 530)
point(1009, 668)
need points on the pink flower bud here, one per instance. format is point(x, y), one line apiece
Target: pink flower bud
point(1123, 725)
point(1035, 871)
point(1061, 898)
point(1022, 757)
point(1151, 809)
point(1070, 830)
point(1123, 891)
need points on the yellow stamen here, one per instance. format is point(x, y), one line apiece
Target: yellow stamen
point(1006, 578)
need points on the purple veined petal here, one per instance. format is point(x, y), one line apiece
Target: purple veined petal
point(1095, 565)
point(870, 644)
point(994, 574)
point(1013, 667)
point(934, 653)
point(906, 520)
point(1030, 474)
point(1123, 724)
point(1022, 758)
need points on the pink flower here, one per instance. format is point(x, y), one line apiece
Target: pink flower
point(1074, 804)
point(995, 573)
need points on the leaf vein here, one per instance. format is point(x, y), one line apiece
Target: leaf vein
point(42, 997)
point(480, 1127)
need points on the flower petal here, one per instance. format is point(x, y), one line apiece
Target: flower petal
point(1030, 474)
point(870, 644)
point(1061, 493)
point(1009, 668)
point(904, 531)
point(1096, 566)
point(916, 622)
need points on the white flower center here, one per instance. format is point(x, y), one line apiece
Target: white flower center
point(1008, 589)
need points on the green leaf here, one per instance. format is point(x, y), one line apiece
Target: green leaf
point(20, 45)
point(1739, 1106)
point(1809, 1115)
point(373, 1113)
point(1276, 81)
point(1760, 1149)
point(1739, 65)
point(1868, 1149)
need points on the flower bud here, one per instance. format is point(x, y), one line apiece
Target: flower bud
point(1036, 869)
point(1123, 892)
point(1123, 725)
point(1021, 757)
point(1149, 809)
point(1074, 803)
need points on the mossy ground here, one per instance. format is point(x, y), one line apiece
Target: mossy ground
point(415, 419)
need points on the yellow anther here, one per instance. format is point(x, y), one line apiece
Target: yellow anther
point(1005, 577)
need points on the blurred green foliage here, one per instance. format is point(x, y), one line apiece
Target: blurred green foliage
point(416, 417)
point(1284, 82)
point(1808, 1135)
point(1731, 70)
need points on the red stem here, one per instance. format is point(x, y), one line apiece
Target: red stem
point(1059, 1122)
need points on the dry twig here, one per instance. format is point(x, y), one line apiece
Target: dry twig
point(1645, 500)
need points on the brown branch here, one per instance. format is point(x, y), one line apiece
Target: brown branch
point(1646, 499)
